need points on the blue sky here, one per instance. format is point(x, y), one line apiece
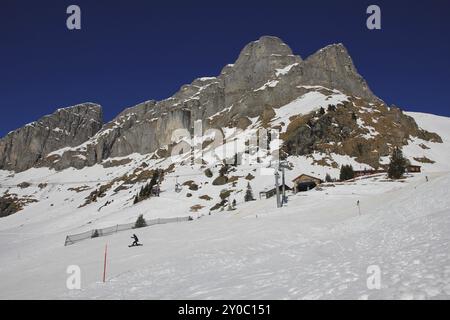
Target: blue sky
point(131, 51)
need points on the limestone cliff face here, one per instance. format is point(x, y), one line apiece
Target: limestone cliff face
point(25, 147)
point(266, 75)
point(256, 64)
point(137, 130)
point(332, 67)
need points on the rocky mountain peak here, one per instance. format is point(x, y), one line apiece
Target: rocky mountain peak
point(265, 76)
point(23, 148)
point(82, 108)
point(257, 63)
point(266, 46)
point(334, 57)
point(333, 67)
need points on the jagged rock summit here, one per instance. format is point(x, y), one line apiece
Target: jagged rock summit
point(266, 76)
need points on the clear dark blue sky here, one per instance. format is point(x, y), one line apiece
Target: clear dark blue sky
point(131, 51)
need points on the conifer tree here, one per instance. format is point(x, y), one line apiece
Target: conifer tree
point(140, 222)
point(346, 173)
point(249, 193)
point(397, 166)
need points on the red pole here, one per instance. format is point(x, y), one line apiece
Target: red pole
point(104, 264)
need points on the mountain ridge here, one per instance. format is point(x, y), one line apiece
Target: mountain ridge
point(265, 76)
point(23, 148)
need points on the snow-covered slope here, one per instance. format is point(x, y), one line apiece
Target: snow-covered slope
point(437, 152)
point(316, 247)
point(307, 103)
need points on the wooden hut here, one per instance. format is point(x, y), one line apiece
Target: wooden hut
point(413, 169)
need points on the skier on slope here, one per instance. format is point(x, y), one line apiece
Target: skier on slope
point(136, 240)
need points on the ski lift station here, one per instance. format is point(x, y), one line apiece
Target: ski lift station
point(305, 182)
point(270, 192)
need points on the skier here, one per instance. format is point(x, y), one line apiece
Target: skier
point(135, 242)
point(426, 178)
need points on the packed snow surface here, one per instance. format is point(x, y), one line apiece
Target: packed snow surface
point(317, 247)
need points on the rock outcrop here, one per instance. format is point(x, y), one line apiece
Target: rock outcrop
point(25, 147)
point(266, 76)
point(349, 129)
point(332, 67)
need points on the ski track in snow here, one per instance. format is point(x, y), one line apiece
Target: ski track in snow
point(315, 248)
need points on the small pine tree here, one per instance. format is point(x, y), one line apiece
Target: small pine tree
point(321, 111)
point(249, 193)
point(154, 180)
point(397, 166)
point(351, 172)
point(234, 203)
point(143, 193)
point(328, 178)
point(136, 199)
point(346, 173)
point(223, 170)
point(140, 222)
point(208, 173)
point(95, 234)
point(146, 191)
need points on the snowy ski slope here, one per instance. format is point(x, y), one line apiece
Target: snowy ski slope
point(318, 247)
